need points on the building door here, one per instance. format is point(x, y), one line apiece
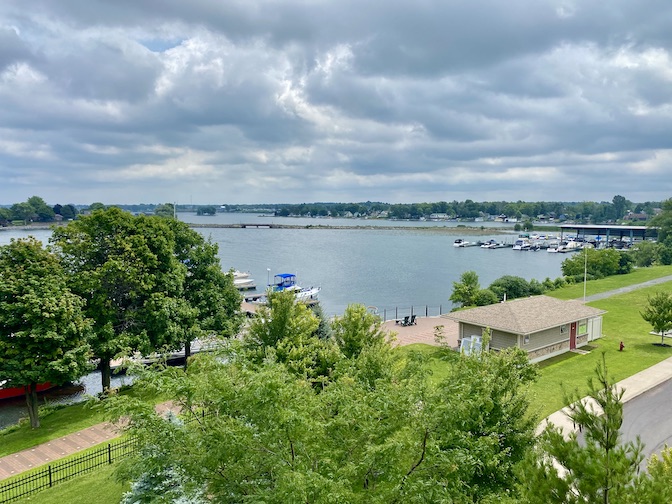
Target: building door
point(572, 336)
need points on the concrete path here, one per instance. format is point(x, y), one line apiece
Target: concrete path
point(423, 331)
point(628, 288)
point(11, 465)
point(634, 386)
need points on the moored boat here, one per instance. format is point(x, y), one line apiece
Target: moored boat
point(8, 392)
point(287, 282)
point(242, 281)
point(522, 244)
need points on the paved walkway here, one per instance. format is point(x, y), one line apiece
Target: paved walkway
point(11, 465)
point(628, 288)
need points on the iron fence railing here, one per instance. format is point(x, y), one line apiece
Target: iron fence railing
point(60, 471)
point(55, 473)
point(397, 312)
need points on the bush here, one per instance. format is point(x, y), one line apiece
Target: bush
point(511, 287)
point(665, 255)
point(485, 297)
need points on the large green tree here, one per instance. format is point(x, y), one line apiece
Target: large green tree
point(663, 222)
point(43, 333)
point(658, 313)
point(126, 270)
point(210, 301)
point(376, 430)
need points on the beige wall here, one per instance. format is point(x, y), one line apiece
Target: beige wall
point(541, 345)
point(544, 338)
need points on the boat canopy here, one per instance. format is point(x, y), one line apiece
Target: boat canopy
point(284, 280)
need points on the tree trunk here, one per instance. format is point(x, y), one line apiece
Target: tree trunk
point(187, 352)
point(31, 402)
point(105, 373)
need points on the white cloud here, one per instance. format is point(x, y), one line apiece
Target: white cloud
point(337, 101)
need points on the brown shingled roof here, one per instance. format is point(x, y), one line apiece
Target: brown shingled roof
point(526, 315)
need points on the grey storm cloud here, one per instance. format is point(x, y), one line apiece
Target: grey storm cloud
point(250, 101)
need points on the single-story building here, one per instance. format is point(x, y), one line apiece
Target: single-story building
point(541, 325)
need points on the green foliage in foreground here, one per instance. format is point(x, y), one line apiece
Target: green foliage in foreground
point(370, 427)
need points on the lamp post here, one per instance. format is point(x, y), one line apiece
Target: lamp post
point(268, 277)
point(585, 269)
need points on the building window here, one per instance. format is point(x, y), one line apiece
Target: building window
point(583, 327)
point(563, 329)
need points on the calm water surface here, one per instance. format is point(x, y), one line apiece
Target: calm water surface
point(385, 268)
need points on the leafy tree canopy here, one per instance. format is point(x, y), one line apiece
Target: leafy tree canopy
point(126, 270)
point(43, 333)
point(658, 313)
point(265, 433)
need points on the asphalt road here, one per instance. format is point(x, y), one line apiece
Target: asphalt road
point(649, 415)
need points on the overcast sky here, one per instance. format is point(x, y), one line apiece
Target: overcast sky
point(288, 101)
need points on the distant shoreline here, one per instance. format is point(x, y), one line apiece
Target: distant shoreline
point(434, 229)
point(452, 230)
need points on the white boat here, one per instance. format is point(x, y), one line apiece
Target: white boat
point(287, 282)
point(522, 244)
point(569, 246)
point(460, 243)
point(491, 244)
point(242, 281)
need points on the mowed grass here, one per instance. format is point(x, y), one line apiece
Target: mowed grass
point(100, 486)
point(570, 372)
point(637, 276)
point(55, 423)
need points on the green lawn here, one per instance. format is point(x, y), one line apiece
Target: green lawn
point(638, 275)
point(99, 486)
point(53, 424)
point(622, 322)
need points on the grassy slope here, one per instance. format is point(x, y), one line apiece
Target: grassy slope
point(56, 423)
point(611, 283)
point(622, 322)
point(53, 424)
point(80, 490)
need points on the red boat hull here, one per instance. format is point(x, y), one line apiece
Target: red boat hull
point(10, 392)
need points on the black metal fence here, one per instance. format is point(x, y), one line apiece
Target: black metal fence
point(55, 473)
point(58, 472)
point(396, 312)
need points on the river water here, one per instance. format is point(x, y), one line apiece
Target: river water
point(389, 269)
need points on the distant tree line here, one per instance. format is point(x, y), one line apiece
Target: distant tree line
point(618, 209)
point(36, 210)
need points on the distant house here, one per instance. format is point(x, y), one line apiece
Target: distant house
point(631, 216)
point(541, 325)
